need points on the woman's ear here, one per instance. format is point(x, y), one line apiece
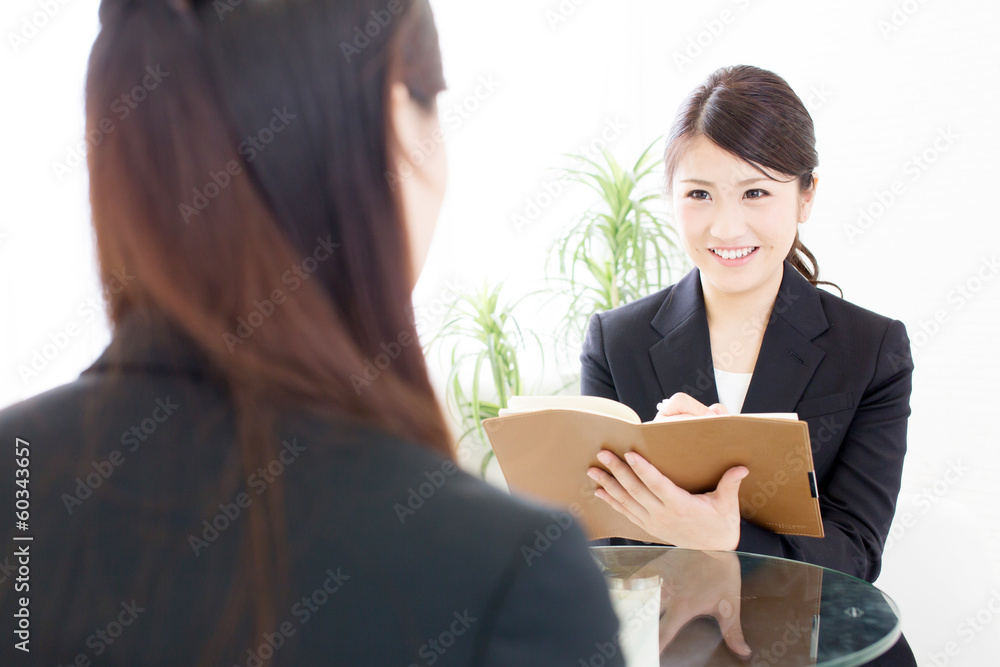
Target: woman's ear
point(806, 200)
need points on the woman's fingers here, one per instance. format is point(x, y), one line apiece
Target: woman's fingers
point(659, 484)
point(624, 485)
point(617, 506)
point(683, 404)
point(731, 627)
point(728, 488)
point(653, 502)
point(670, 626)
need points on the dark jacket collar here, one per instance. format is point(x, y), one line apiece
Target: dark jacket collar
point(682, 359)
point(146, 341)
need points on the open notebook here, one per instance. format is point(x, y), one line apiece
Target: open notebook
point(545, 444)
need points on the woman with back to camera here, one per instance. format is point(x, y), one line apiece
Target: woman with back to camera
point(219, 488)
point(748, 331)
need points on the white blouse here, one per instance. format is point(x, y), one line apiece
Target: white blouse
point(732, 389)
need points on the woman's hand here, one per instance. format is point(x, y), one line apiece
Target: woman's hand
point(683, 404)
point(707, 521)
point(703, 584)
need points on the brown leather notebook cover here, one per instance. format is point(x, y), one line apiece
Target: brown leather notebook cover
point(546, 453)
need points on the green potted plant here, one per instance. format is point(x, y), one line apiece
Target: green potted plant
point(481, 340)
point(621, 248)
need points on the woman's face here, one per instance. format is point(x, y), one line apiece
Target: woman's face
point(737, 225)
point(421, 171)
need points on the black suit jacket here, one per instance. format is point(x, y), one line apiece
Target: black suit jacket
point(397, 558)
point(844, 370)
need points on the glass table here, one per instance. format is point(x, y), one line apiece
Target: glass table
point(710, 602)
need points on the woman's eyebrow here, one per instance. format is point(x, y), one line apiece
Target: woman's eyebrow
point(698, 181)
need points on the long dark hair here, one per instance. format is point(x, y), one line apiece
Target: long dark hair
point(270, 136)
point(755, 115)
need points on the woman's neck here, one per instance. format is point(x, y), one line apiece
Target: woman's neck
point(727, 310)
point(736, 324)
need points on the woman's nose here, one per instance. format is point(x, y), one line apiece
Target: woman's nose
point(728, 224)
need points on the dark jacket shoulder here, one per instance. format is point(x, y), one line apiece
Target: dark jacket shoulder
point(138, 496)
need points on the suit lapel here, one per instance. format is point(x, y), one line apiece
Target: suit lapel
point(788, 358)
point(682, 359)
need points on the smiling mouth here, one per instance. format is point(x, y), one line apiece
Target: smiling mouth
point(738, 253)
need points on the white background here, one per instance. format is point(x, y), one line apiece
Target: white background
point(882, 80)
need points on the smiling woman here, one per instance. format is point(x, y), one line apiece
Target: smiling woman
point(732, 218)
point(734, 118)
point(749, 318)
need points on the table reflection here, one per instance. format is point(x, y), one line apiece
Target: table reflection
point(729, 608)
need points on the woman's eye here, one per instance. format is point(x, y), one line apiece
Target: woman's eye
point(756, 193)
point(698, 194)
